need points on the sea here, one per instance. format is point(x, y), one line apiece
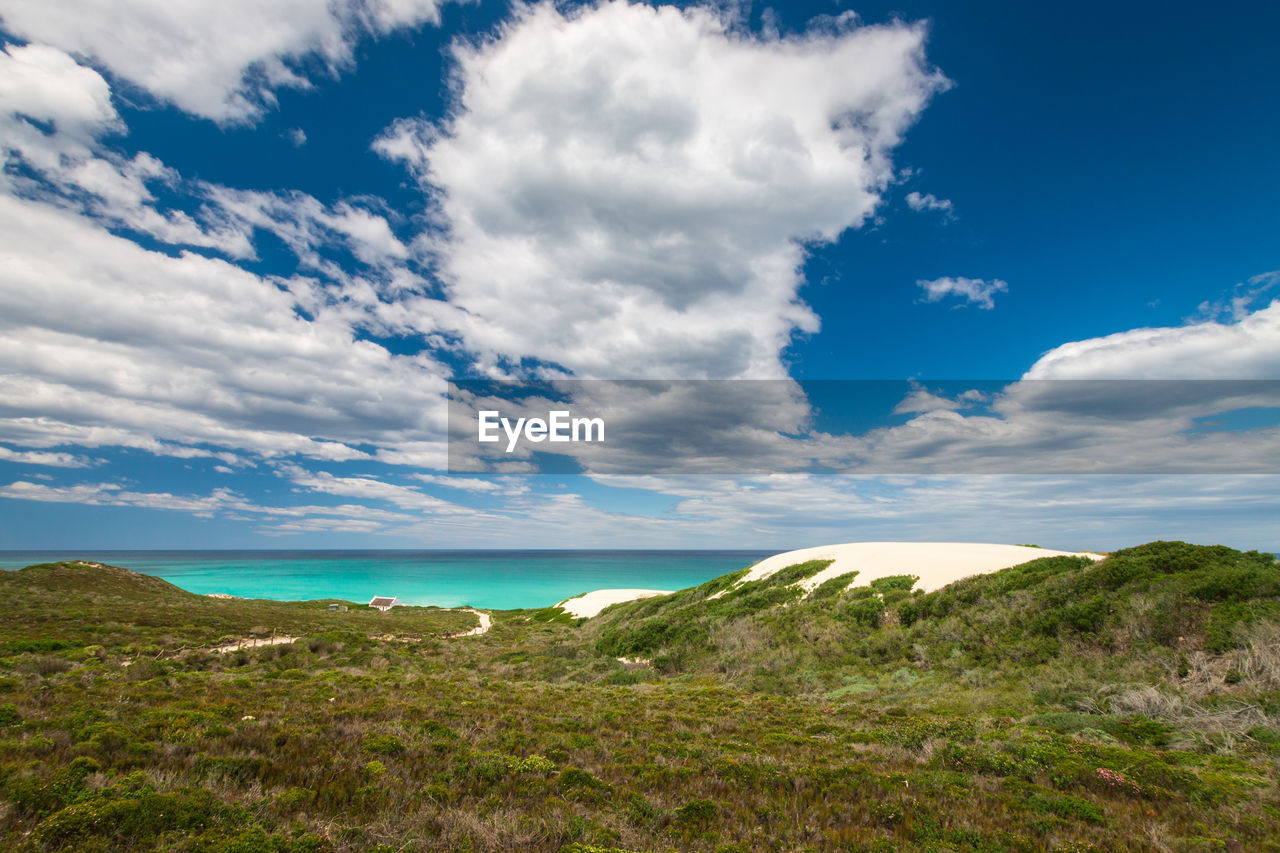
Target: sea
point(500, 580)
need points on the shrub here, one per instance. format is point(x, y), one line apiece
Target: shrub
point(384, 745)
point(865, 611)
point(697, 813)
point(135, 821)
point(572, 777)
point(903, 583)
point(832, 586)
point(431, 728)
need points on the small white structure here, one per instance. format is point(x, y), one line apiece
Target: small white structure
point(383, 603)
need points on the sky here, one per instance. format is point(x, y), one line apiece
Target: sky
point(245, 246)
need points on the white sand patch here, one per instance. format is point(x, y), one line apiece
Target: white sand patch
point(591, 603)
point(935, 563)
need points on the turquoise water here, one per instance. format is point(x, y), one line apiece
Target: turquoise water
point(492, 579)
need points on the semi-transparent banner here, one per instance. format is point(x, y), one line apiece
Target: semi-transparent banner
point(881, 427)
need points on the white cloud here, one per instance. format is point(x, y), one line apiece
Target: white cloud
point(974, 291)
point(52, 114)
point(921, 400)
point(70, 165)
point(44, 457)
point(1245, 297)
point(1248, 348)
point(218, 502)
point(307, 226)
point(929, 201)
point(104, 342)
point(779, 511)
point(627, 190)
point(45, 84)
point(1070, 512)
point(368, 488)
point(221, 59)
point(471, 484)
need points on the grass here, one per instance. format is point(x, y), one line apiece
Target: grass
point(1059, 705)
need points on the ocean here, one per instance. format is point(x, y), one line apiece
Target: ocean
point(490, 579)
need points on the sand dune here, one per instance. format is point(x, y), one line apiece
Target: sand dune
point(591, 603)
point(936, 563)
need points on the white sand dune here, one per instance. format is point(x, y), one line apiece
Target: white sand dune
point(591, 603)
point(935, 563)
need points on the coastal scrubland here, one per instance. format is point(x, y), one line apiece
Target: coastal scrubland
point(1067, 705)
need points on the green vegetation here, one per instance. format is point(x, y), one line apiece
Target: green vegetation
point(1131, 704)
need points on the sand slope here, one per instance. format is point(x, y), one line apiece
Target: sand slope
point(936, 563)
point(591, 603)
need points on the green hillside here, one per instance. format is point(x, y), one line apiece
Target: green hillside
point(1152, 606)
point(1066, 705)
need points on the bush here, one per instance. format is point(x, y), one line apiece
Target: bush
point(572, 777)
point(135, 821)
point(865, 611)
point(697, 813)
point(903, 583)
point(384, 745)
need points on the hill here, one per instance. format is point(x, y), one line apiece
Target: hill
point(117, 612)
point(1063, 704)
point(1157, 604)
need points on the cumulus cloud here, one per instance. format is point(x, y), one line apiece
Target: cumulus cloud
point(104, 342)
point(974, 291)
point(54, 118)
point(628, 190)
point(53, 113)
point(108, 343)
point(1246, 347)
point(220, 59)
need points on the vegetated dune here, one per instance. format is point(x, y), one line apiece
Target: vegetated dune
point(936, 564)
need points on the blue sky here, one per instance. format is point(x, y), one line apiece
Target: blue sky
point(244, 245)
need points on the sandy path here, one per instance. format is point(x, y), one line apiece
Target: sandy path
point(252, 644)
point(483, 628)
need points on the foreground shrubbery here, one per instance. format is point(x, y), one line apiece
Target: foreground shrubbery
point(1060, 705)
